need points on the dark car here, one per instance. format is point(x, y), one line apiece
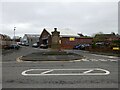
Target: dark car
point(81, 46)
point(14, 46)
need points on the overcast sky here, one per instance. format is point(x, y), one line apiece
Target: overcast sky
point(76, 17)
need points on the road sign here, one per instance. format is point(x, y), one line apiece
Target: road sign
point(116, 48)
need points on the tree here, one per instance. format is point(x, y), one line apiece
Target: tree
point(113, 33)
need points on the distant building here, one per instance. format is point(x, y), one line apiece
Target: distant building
point(119, 31)
point(5, 41)
point(17, 38)
point(1, 36)
point(4, 37)
point(106, 37)
point(30, 39)
point(67, 40)
point(1, 40)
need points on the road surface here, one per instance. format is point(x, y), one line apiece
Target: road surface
point(15, 74)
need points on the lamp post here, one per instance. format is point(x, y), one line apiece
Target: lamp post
point(14, 34)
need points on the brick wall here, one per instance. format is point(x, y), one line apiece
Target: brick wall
point(67, 44)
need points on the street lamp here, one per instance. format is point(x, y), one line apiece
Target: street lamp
point(14, 34)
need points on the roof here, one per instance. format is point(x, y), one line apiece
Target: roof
point(1, 35)
point(105, 35)
point(32, 35)
point(5, 36)
point(64, 32)
point(70, 36)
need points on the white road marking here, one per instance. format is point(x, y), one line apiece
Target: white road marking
point(105, 56)
point(94, 60)
point(84, 60)
point(87, 72)
point(75, 60)
point(113, 60)
point(102, 60)
point(46, 71)
point(112, 57)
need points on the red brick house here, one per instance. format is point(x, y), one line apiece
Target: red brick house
point(66, 41)
point(45, 38)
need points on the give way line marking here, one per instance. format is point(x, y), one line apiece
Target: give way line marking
point(50, 72)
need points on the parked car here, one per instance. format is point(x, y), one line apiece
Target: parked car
point(35, 45)
point(43, 46)
point(99, 43)
point(25, 44)
point(81, 46)
point(14, 46)
point(19, 43)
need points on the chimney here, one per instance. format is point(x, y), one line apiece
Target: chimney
point(55, 29)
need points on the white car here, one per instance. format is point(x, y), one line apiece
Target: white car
point(35, 45)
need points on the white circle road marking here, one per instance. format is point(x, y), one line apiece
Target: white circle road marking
point(88, 60)
point(104, 56)
point(87, 72)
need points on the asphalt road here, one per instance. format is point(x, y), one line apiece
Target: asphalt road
point(12, 76)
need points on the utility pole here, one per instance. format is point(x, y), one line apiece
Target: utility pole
point(14, 34)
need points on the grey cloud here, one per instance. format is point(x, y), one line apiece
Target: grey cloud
point(88, 18)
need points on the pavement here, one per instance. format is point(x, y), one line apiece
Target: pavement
point(108, 54)
point(93, 71)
